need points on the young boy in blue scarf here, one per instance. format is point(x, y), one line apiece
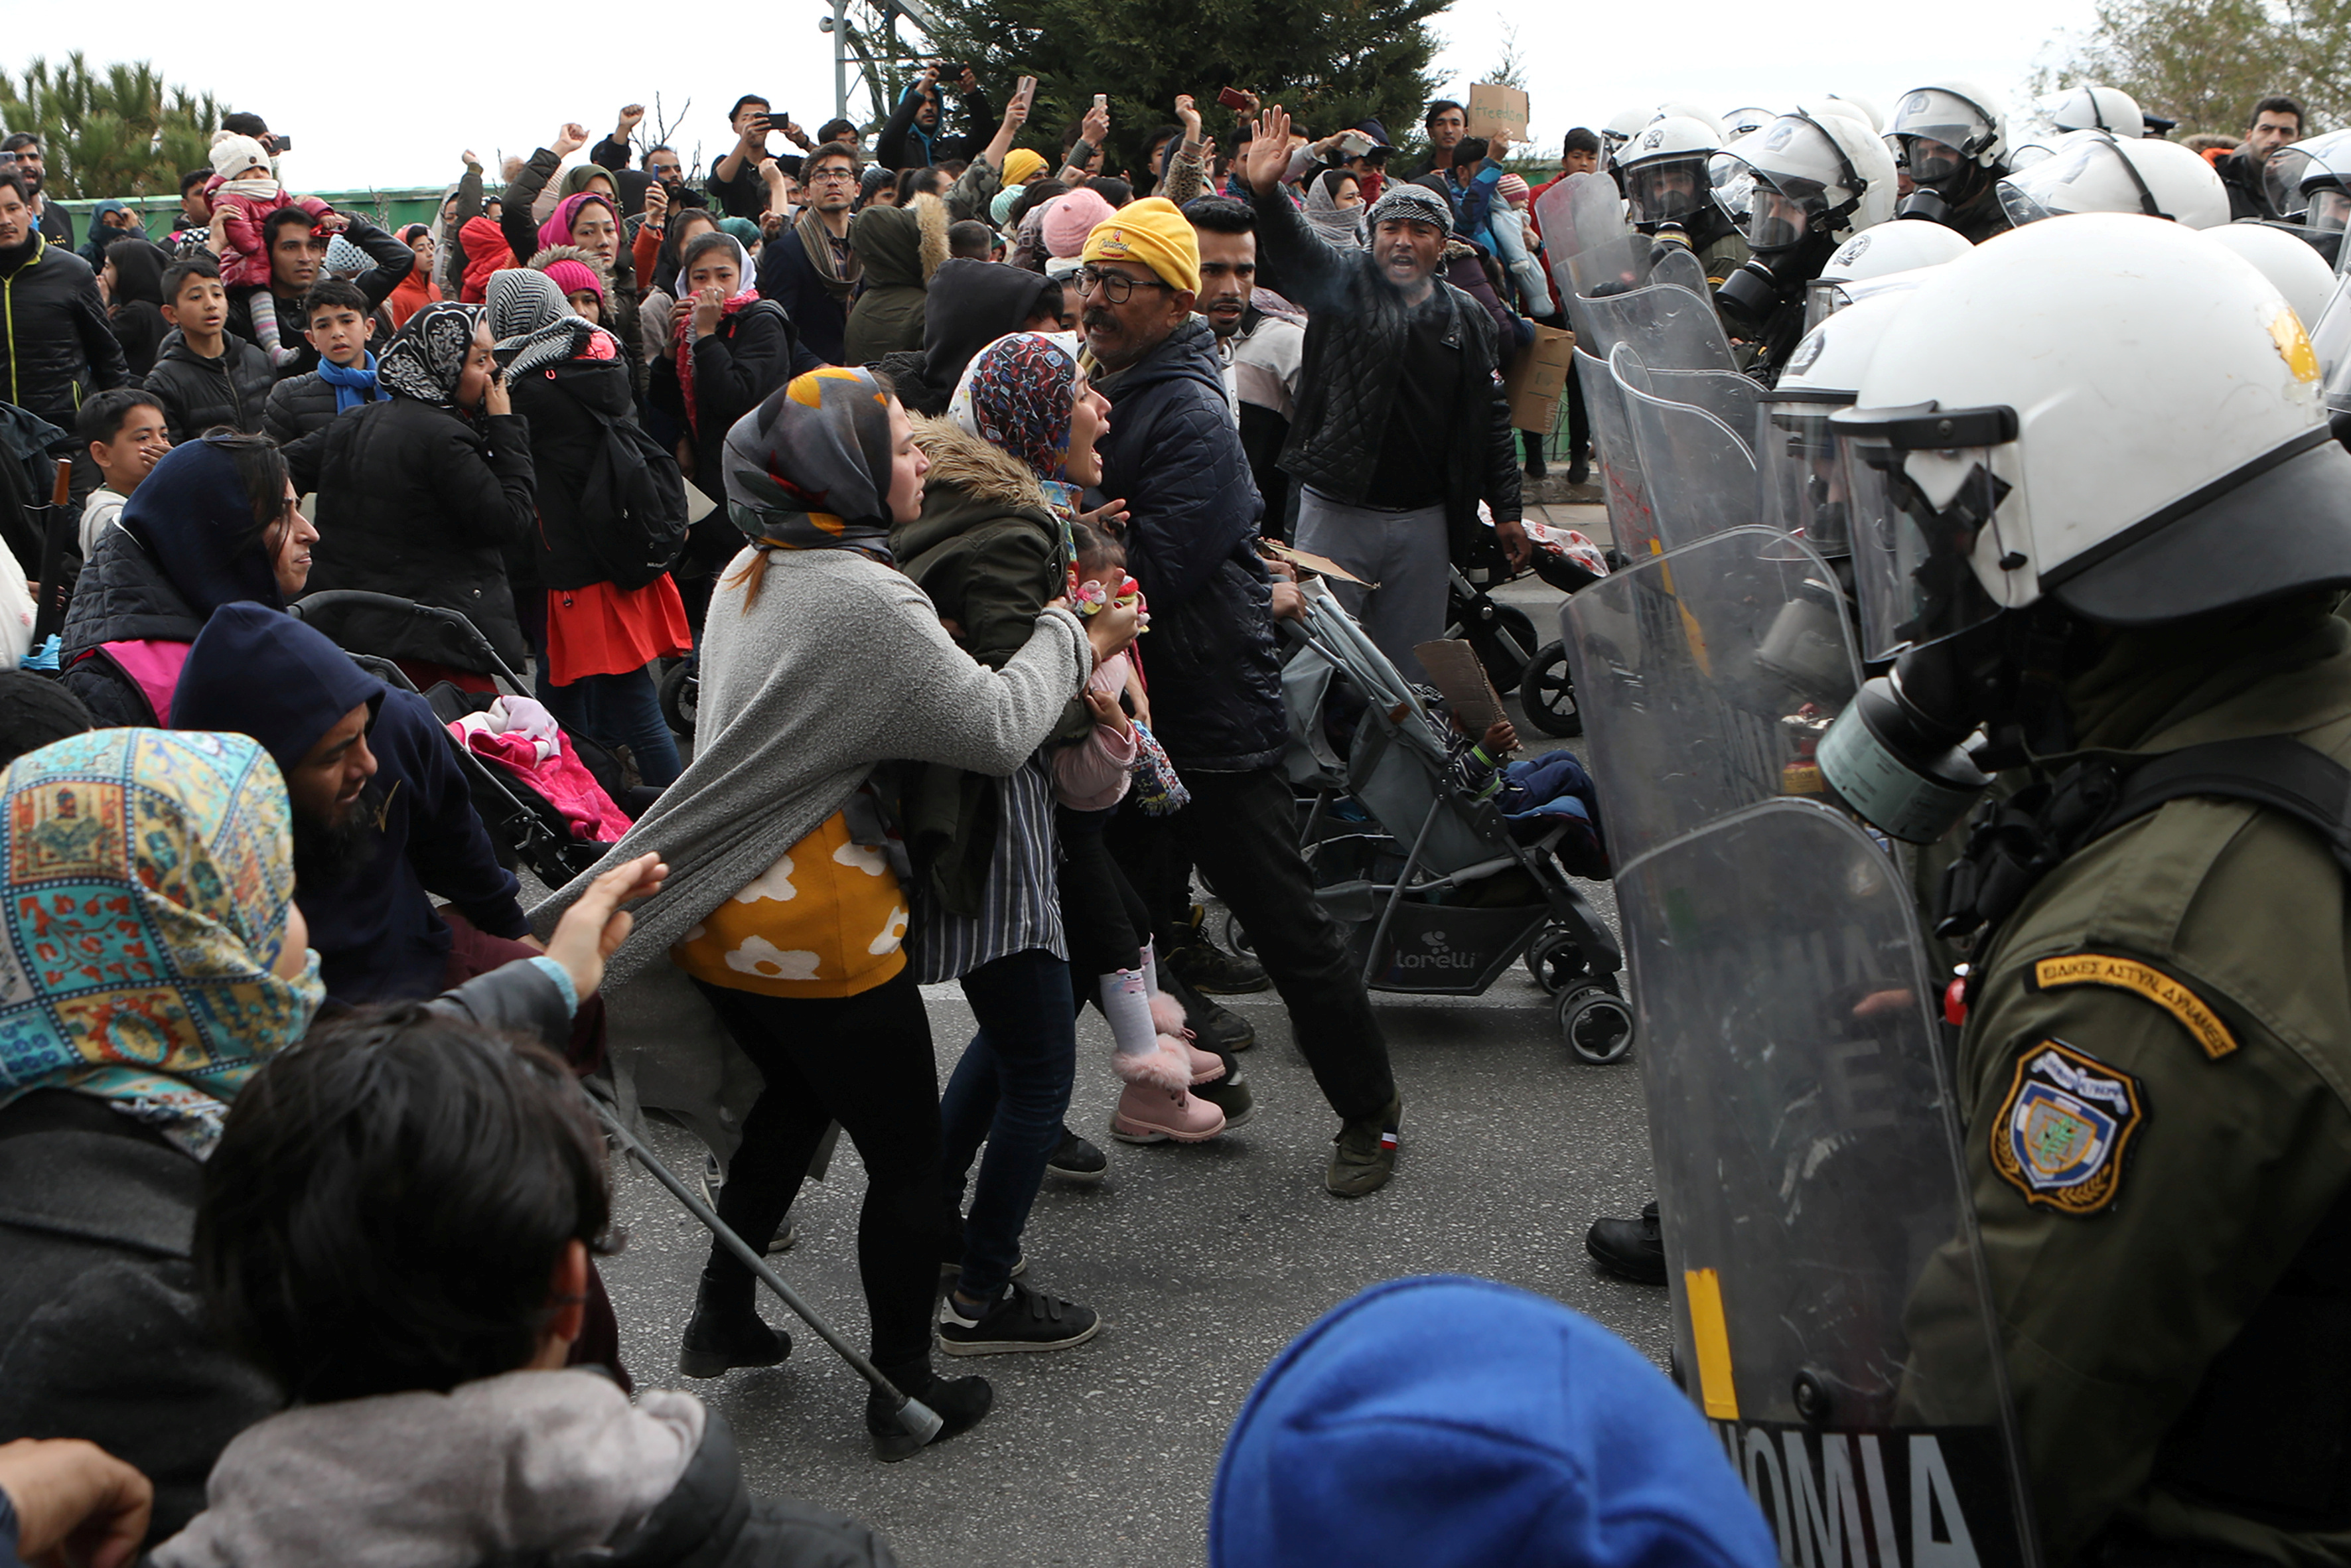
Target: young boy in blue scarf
point(336, 320)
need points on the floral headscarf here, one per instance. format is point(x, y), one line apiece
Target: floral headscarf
point(425, 358)
point(534, 324)
point(1017, 395)
point(557, 229)
point(809, 467)
point(147, 878)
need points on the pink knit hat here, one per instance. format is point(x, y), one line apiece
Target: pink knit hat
point(1070, 219)
point(1514, 189)
point(572, 277)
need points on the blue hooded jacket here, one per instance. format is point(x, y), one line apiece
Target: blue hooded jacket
point(263, 674)
point(1448, 1422)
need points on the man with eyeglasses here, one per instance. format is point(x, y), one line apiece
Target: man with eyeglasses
point(1172, 460)
point(809, 268)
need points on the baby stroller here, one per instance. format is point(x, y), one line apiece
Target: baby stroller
point(526, 827)
point(1437, 895)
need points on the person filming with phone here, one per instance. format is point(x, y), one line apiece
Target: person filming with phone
point(915, 138)
point(736, 180)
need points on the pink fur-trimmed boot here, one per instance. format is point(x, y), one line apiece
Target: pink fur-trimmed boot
point(1143, 1056)
point(1167, 1015)
point(1148, 1115)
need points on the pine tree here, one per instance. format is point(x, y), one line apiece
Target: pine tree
point(1332, 63)
point(123, 133)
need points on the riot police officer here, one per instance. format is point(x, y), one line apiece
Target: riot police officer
point(1669, 191)
point(2092, 480)
point(1954, 137)
point(1820, 178)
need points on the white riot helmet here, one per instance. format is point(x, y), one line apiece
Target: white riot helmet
point(1795, 454)
point(2292, 265)
point(1818, 181)
point(1740, 122)
point(1692, 111)
point(2310, 183)
point(2103, 419)
point(1855, 106)
point(1621, 127)
point(2098, 108)
point(1666, 177)
point(1881, 252)
point(2094, 172)
point(1955, 139)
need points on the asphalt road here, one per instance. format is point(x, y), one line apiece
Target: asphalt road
point(1203, 1262)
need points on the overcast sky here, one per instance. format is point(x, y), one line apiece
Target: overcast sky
point(394, 108)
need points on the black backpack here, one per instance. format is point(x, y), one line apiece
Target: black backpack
point(632, 506)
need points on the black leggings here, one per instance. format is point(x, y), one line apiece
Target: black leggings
point(865, 1061)
point(1101, 915)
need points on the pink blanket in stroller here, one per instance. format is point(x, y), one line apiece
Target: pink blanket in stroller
point(519, 737)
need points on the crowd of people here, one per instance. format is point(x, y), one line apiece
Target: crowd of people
point(945, 466)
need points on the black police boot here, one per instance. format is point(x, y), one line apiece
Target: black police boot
point(726, 1330)
point(1631, 1250)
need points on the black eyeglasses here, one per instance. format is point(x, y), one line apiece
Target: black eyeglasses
point(1115, 287)
point(843, 175)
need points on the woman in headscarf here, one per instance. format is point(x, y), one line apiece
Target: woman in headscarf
point(656, 311)
point(587, 218)
point(1334, 205)
point(151, 960)
point(425, 492)
point(133, 276)
point(786, 902)
point(991, 546)
point(611, 607)
point(898, 249)
point(729, 350)
point(213, 523)
point(417, 289)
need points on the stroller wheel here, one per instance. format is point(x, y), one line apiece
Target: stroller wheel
point(1555, 961)
point(1236, 939)
point(1597, 1024)
point(681, 694)
point(1548, 692)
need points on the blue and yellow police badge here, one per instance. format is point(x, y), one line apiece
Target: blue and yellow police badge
point(2066, 1129)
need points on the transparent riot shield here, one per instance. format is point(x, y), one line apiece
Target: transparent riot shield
point(1622, 486)
point(1829, 1309)
point(1592, 249)
point(1699, 474)
point(1679, 265)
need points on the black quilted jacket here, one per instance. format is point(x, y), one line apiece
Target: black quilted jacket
point(1346, 382)
point(1175, 456)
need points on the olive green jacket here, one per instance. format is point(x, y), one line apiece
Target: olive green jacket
point(2200, 958)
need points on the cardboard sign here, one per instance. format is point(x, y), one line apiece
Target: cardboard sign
point(1454, 670)
point(1536, 377)
point(1494, 107)
point(1321, 566)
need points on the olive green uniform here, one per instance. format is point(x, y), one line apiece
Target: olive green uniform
point(2188, 980)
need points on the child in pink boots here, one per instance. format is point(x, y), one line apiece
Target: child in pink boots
point(1102, 914)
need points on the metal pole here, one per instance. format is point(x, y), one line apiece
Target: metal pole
point(840, 59)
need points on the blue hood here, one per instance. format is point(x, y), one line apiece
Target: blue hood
point(262, 673)
point(192, 514)
point(1449, 1421)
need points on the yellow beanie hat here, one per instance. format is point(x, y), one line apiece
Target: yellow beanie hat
point(1021, 165)
point(1154, 232)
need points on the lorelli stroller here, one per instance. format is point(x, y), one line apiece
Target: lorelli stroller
point(553, 822)
point(1437, 895)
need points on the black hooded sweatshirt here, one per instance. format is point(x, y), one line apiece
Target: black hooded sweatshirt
point(971, 304)
point(261, 673)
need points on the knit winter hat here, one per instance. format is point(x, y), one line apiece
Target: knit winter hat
point(1410, 203)
point(1000, 211)
point(1514, 189)
point(572, 277)
point(234, 156)
point(345, 259)
point(1154, 232)
point(1070, 219)
point(1021, 165)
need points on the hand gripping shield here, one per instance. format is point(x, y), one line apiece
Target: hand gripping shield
point(1829, 1311)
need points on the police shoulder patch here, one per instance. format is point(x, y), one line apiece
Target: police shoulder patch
point(2066, 1130)
point(2129, 975)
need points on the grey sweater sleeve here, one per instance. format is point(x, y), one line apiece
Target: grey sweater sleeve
point(954, 709)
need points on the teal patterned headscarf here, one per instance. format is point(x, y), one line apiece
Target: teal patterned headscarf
point(147, 875)
point(809, 467)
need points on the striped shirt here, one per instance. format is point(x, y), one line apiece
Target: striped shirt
point(1020, 906)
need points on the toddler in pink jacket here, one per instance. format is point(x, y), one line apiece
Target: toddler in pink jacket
point(245, 191)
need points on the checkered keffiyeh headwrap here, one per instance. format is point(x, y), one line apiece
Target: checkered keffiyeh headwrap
point(1017, 395)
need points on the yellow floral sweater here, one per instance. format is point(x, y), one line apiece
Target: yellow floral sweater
point(826, 920)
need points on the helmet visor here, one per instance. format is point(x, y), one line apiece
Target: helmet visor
point(2330, 209)
point(1919, 520)
point(1956, 127)
point(1734, 184)
point(1776, 220)
point(2088, 175)
point(2282, 175)
point(1804, 486)
point(1667, 189)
